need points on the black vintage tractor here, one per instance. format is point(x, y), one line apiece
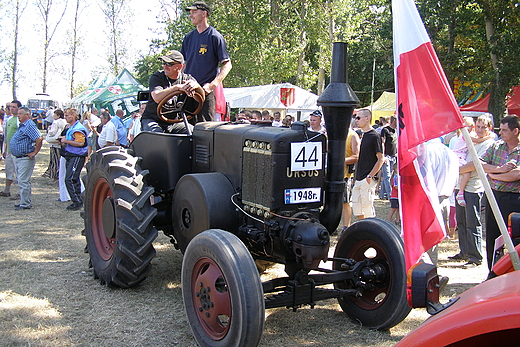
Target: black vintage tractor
point(230, 194)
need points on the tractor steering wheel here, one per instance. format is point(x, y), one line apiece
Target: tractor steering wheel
point(167, 112)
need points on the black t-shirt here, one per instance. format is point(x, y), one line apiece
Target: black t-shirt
point(370, 145)
point(388, 133)
point(159, 79)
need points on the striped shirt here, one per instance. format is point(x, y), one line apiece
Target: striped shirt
point(498, 154)
point(24, 140)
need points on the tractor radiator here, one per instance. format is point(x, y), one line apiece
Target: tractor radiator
point(257, 177)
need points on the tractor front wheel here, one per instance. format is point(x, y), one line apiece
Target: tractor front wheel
point(222, 291)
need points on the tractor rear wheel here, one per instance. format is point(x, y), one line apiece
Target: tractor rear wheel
point(222, 291)
point(386, 304)
point(118, 218)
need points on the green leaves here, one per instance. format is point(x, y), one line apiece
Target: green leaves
point(273, 41)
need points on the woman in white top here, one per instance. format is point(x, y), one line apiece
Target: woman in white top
point(52, 138)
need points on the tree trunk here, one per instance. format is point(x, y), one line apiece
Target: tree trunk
point(498, 91)
point(113, 11)
point(303, 41)
point(452, 35)
point(49, 30)
point(74, 48)
point(14, 66)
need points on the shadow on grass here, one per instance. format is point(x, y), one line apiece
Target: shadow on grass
point(325, 325)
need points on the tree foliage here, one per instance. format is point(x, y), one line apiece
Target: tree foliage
point(274, 41)
point(477, 43)
point(502, 19)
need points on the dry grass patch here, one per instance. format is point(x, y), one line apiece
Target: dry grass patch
point(25, 320)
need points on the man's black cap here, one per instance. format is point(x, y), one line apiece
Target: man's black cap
point(199, 5)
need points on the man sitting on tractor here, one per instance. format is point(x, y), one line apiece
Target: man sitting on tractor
point(165, 82)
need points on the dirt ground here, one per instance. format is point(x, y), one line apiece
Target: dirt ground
point(48, 296)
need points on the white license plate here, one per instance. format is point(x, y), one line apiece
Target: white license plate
point(299, 196)
point(306, 156)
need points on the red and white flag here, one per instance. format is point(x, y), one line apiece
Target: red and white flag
point(426, 109)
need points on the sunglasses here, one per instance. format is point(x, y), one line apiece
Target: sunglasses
point(170, 64)
point(358, 118)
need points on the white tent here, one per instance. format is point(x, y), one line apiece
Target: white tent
point(270, 97)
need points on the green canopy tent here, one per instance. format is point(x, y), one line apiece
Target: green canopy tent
point(120, 94)
point(81, 102)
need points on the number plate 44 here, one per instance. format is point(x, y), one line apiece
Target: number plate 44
point(306, 156)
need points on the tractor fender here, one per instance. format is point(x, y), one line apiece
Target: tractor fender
point(483, 315)
point(504, 264)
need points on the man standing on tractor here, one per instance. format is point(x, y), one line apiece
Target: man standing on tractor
point(204, 48)
point(161, 84)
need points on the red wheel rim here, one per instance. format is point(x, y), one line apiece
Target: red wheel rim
point(104, 245)
point(372, 299)
point(211, 299)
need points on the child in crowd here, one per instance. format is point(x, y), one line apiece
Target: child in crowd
point(461, 150)
point(393, 214)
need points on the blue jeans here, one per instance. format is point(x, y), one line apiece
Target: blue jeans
point(386, 176)
point(470, 227)
point(24, 170)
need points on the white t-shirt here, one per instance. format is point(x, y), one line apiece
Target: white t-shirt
point(322, 130)
point(108, 134)
point(136, 126)
point(94, 120)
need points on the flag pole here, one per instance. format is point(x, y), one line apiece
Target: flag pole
point(515, 259)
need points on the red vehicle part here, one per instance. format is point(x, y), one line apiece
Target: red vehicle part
point(484, 315)
point(504, 264)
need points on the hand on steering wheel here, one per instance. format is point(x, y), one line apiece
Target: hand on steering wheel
point(163, 109)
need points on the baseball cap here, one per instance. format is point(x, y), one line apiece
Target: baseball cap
point(317, 113)
point(199, 5)
point(173, 56)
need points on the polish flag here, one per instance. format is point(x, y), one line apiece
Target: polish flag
point(426, 109)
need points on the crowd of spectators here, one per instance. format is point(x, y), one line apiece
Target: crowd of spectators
point(71, 140)
point(461, 191)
